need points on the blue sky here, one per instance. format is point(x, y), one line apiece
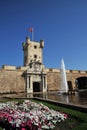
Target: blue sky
point(62, 24)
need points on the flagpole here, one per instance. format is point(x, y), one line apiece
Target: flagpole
point(32, 33)
point(31, 30)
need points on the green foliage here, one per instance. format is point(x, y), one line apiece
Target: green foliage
point(83, 126)
point(1, 128)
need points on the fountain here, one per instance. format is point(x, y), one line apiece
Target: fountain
point(64, 85)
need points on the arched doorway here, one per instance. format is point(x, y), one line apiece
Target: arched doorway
point(81, 83)
point(36, 87)
point(70, 86)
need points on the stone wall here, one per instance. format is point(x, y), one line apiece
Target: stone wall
point(72, 75)
point(53, 79)
point(11, 80)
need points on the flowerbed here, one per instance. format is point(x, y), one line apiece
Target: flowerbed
point(28, 115)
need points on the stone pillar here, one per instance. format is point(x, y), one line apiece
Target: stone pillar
point(44, 83)
point(27, 84)
point(31, 86)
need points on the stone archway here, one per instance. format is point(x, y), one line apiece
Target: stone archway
point(81, 83)
point(36, 86)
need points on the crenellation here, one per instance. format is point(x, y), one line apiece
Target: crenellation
point(8, 67)
point(41, 43)
point(27, 40)
point(56, 70)
point(23, 68)
point(77, 71)
point(74, 71)
point(52, 70)
point(83, 71)
point(67, 71)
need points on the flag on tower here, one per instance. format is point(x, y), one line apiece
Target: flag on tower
point(31, 30)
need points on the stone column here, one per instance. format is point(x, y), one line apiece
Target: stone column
point(27, 84)
point(44, 83)
point(31, 86)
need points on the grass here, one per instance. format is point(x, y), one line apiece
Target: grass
point(76, 120)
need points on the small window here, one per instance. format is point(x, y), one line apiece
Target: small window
point(30, 65)
point(35, 56)
point(35, 46)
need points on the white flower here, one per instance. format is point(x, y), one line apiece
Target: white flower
point(37, 114)
point(45, 127)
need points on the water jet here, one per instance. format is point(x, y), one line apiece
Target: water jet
point(64, 85)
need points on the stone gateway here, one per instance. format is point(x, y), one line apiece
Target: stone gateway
point(34, 77)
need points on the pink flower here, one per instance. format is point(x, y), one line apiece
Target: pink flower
point(66, 116)
point(23, 129)
point(29, 123)
point(22, 124)
point(39, 125)
point(9, 118)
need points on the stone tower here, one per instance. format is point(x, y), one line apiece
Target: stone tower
point(32, 51)
point(35, 75)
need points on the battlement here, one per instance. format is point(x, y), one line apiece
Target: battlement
point(8, 67)
point(29, 42)
point(67, 71)
point(77, 71)
point(52, 70)
point(11, 68)
point(23, 68)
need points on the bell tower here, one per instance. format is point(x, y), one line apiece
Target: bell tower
point(32, 51)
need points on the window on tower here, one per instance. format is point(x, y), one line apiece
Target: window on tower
point(35, 56)
point(35, 46)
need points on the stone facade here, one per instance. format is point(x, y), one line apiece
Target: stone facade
point(33, 76)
